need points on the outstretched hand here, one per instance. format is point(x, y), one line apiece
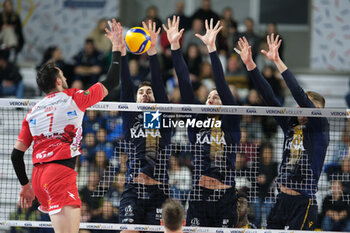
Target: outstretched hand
point(245, 53)
point(115, 35)
point(173, 33)
point(274, 44)
point(210, 35)
point(154, 33)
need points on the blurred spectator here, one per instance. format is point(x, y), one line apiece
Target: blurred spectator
point(137, 73)
point(108, 215)
point(235, 73)
point(251, 36)
point(242, 173)
point(234, 66)
point(243, 211)
point(235, 94)
point(152, 14)
point(340, 172)
point(227, 18)
point(11, 28)
point(224, 41)
point(185, 21)
point(253, 127)
point(100, 162)
point(101, 42)
point(93, 202)
point(172, 82)
point(85, 212)
point(175, 96)
point(205, 12)
point(269, 127)
point(266, 174)
point(114, 193)
point(93, 121)
point(201, 93)
point(335, 210)
point(272, 28)
point(10, 78)
point(88, 66)
point(248, 149)
point(180, 179)
point(88, 147)
point(193, 59)
point(228, 36)
point(338, 163)
point(254, 99)
point(344, 147)
point(206, 76)
point(54, 54)
point(345, 166)
point(103, 144)
point(190, 38)
point(269, 72)
point(114, 125)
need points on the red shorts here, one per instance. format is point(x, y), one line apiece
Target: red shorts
point(55, 186)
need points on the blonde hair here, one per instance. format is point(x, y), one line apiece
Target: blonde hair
point(315, 97)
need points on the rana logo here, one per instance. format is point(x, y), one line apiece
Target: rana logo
point(251, 110)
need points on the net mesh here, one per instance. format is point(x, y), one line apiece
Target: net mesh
point(105, 168)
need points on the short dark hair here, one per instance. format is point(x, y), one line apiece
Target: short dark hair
point(144, 83)
point(315, 97)
point(173, 214)
point(46, 77)
point(90, 41)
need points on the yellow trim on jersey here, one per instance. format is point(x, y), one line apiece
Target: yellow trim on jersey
point(307, 212)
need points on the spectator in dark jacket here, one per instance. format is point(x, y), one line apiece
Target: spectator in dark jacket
point(10, 78)
point(335, 210)
point(11, 27)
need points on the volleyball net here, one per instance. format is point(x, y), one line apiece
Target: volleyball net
point(181, 143)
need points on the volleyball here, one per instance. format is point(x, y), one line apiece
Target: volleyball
point(137, 40)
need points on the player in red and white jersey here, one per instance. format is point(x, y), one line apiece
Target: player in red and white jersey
point(54, 125)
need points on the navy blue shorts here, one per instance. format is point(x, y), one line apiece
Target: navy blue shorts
point(141, 204)
point(220, 213)
point(292, 213)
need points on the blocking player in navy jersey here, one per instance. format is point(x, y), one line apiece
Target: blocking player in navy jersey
point(55, 126)
point(213, 200)
point(304, 148)
point(145, 189)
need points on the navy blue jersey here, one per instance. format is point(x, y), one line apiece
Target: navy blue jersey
point(217, 154)
point(304, 146)
point(145, 151)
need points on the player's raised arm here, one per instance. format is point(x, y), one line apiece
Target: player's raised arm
point(259, 81)
point(127, 86)
point(181, 69)
point(157, 85)
point(116, 37)
point(272, 54)
point(209, 39)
